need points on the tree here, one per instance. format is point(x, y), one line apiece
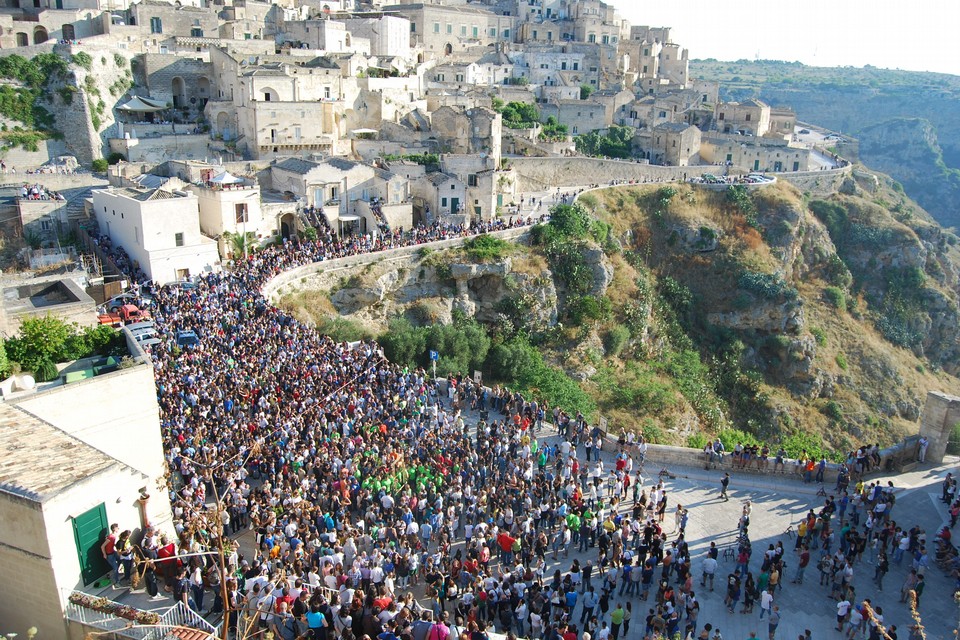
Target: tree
point(39, 339)
point(497, 105)
point(585, 91)
point(520, 115)
point(238, 243)
point(403, 343)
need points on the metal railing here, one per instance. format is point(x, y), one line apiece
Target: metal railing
point(181, 615)
point(177, 616)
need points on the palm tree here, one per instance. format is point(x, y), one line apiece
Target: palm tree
point(239, 244)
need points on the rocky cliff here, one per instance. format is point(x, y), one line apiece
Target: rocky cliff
point(908, 123)
point(683, 312)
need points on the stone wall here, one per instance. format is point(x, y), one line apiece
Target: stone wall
point(539, 174)
point(940, 414)
point(280, 285)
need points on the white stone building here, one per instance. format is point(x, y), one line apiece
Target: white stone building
point(159, 229)
point(74, 459)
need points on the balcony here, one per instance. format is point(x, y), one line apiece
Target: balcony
point(125, 621)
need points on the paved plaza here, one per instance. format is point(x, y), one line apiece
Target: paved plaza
point(778, 502)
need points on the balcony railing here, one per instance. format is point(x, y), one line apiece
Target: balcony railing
point(107, 615)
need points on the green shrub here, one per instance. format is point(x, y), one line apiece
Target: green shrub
point(697, 441)
point(730, 438)
point(836, 298)
point(833, 410)
point(819, 335)
point(842, 361)
point(343, 330)
point(615, 340)
point(82, 59)
point(589, 200)
point(766, 285)
point(487, 248)
point(45, 371)
point(581, 309)
point(310, 234)
point(953, 444)
point(119, 60)
point(100, 165)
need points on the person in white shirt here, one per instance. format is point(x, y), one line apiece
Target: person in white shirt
point(766, 601)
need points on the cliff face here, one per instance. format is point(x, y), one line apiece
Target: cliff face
point(686, 311)
point(908, 123)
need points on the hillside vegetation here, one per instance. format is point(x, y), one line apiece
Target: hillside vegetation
point(684, 313)
point(908, 122)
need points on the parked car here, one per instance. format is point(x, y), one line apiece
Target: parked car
point(126, 314)
point(187, 338)
point(804, 131)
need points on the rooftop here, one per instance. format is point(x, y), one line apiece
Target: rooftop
point(38, 461)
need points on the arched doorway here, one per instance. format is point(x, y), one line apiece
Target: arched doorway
point(69, 33)
point(288, 226)
point(223, 125)
point(179, 90)
point(270, 95)
point(203, 91)
point(23, 40)
point(39, 35)
point(448, 49)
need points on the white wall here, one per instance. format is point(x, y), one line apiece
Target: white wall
point(147, 231)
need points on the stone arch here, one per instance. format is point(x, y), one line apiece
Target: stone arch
point(346, 39)
point(270, 95)
point(23, 40)
point(203, 90)
point(448, 49)
point(288, 226)
point(178, 88)
point(224, 125)
point(39, 35)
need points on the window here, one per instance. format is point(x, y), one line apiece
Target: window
point(721, 115)
point(472, 180)
point(45, 224)
point(663, 114)
point(550, 36)
point(563, 66)
point(592, 37)
point(575, 131)
point(326, 93)
point(506, 33)
point(459, 77)
point(178, 239)
point(646, 52)
point(196, 33)
point(449, 28)
point(534, 34)
point(413, 27)
point(463, 30)
point(493, 32)
point(136, 235)
point(296, 134)
point(443, 202)
point(241, 212)
point(156, 25)
point(476, 31)
point(440, 77)
point(606, 39)
point(436, 27)
point(576, 66)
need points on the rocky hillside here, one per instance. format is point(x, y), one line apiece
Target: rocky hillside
point(684, 313)
point(908, 123)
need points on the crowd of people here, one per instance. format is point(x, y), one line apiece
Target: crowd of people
point(365, 482)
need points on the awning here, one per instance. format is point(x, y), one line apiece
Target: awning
point(362, 131)
point(225, 178)
point(349, 218)
point(142, 105)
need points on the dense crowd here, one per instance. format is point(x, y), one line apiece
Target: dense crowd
point(363, 481)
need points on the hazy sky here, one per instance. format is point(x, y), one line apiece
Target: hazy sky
point(922, 35)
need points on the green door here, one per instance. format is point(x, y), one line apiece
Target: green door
point(89, 531)
point(454, 205)
point(756, 165)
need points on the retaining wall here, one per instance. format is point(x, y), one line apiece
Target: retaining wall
point(275, 288)
point(538, 174)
